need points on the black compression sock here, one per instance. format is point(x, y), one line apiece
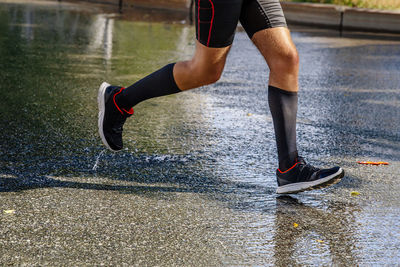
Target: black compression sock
point(158, 83)
point(283, 106)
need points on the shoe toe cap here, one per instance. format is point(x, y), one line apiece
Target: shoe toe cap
point(326, 172)
point(114, 144)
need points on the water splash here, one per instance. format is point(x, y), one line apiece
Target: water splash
point(96, 165)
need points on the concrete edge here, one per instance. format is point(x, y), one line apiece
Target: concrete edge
point(341, 17)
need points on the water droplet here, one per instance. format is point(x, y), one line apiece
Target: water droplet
point(96, 165)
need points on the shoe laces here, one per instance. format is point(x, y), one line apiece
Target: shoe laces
point(305, 168)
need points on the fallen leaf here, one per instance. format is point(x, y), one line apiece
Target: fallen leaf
point(320, 241)
point(354, 193)
point(373, 162)
point(295, 225)
point(9, 211)
point(249, 114)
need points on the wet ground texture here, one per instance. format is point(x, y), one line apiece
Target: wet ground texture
point(196, 184)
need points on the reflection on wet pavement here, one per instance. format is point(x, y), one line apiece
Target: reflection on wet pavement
point(196, 185)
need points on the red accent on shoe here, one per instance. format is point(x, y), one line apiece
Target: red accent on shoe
point(130, 112)
point(211, 23)
point(288, 169)
point(115, 103)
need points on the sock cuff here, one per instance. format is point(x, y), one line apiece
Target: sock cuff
point(175, 88)
point(280, 91)
point(158, 83)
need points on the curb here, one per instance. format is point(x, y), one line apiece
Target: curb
point(341, 18)
point(177, 5)
point(371, 20)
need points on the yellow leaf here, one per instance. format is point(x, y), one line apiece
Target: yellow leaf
point(295, 225)
point(249, 114)
point(9, 211)
point(320, 241)
point(354, 193)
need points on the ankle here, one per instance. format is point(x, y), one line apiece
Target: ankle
point(120, 105)
point(288, 162)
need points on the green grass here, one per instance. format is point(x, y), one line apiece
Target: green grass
point(376, 4)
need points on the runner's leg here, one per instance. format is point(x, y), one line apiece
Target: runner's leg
point(276, 46)
point(215, 29)
point(216, 22)
point(204, 68)
point(265, 24)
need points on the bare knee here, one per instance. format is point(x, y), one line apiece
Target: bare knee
point(207, 73)
point(211, 75)
point(204, 68)
point(286, 61)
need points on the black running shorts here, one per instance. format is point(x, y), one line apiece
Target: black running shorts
point(216, 20)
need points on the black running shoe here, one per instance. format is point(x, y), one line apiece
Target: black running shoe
point(304, 177)
point(111, 116)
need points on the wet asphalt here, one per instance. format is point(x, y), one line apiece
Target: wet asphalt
point(196, 183)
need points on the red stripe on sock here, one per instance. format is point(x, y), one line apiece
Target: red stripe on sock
point(115, 103)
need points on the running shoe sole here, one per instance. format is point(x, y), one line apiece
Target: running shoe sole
point(102, 108)
point(306, 186)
